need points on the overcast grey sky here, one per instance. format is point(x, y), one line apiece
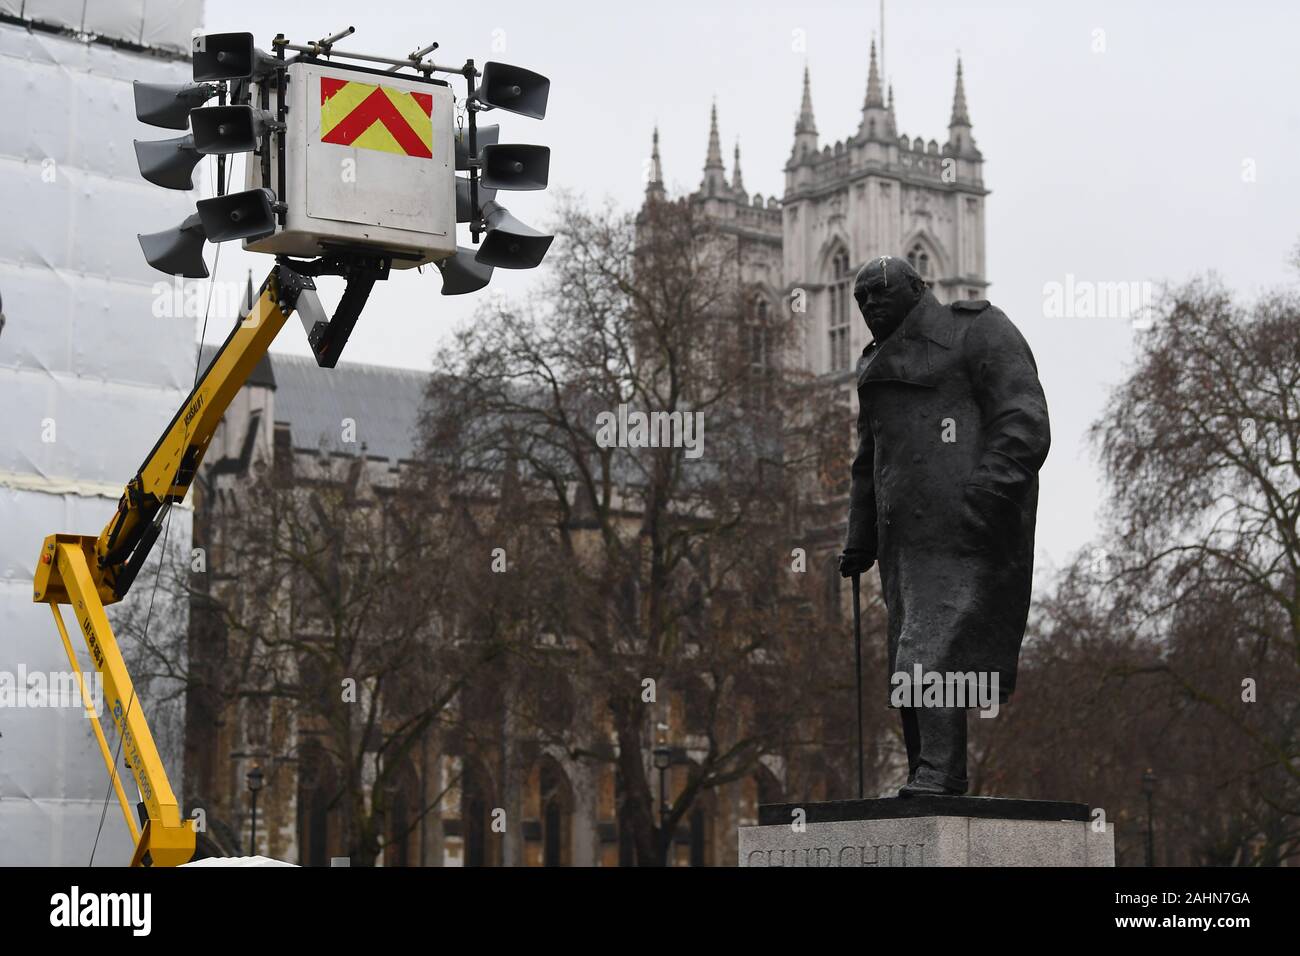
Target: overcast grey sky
point(1162, 146)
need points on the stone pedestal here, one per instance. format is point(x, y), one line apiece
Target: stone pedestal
point(927, 831)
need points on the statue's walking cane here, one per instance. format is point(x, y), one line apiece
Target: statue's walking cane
point(857, 667)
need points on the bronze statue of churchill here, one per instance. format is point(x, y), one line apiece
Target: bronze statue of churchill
point(953, 430)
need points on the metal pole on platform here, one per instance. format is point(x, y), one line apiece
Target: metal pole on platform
point(857, 670)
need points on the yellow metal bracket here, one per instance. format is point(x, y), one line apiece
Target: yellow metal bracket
point(64, 576)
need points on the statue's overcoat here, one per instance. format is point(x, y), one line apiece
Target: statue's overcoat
point(952, 431)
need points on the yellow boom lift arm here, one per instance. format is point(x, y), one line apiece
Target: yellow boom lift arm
point(88, 572)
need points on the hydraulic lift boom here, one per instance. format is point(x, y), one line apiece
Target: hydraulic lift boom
point(88, 572)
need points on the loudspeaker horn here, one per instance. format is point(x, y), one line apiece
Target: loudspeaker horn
point(509, 243)
point(486, 136)
point(514, 89)
point(463, 211)
point(243, 215)
point(230, 56)
point(222, 130)
point(177, 251)
point(463, 273)
point(515, 166)
point(168, 162)
point(168, 104)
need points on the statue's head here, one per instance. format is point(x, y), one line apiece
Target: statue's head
point(886, 290)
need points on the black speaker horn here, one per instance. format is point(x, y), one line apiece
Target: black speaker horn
point(168, 104)
point(179, 251)
point(222, 130)
point(168, 162)
point(229, 56)
point(463, 211)
point(509, 243)
point(486, 136)
point(463, 273)
point(514, 89)
point(243, 215)
point(515, 166)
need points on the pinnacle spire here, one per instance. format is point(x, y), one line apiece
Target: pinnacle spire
point(715, 174)
point(805, 127)
point(737, 182)
point(655, 186)
point(714, 157)
point(960, 116)
point(874, 97)
point(806, 123)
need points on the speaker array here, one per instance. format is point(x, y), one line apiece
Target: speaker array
point(224, 63)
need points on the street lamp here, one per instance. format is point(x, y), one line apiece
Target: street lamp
point(256, 779)
point(663, 758)
point(1149, 788)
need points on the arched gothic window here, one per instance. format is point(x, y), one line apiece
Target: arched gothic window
point(841, 294)
point(759, 330)
point(756, 345)
point(919, 260)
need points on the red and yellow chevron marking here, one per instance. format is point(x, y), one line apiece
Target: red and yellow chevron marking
point(376, 117)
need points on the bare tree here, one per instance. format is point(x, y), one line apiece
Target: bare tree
point(661, 563)
point(318, 639)
point(1175, 643)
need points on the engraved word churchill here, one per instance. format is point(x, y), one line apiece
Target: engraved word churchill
point(849, 855)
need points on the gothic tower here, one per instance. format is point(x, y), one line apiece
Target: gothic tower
point(875, 193)
point(751, 223)
point(878, 193)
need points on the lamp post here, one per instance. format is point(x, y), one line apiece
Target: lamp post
point(256, 779)
point(1149, 788)
point(663, 757)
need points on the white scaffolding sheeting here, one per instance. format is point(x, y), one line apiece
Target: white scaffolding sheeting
point(91, 370)
point(165, 24)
